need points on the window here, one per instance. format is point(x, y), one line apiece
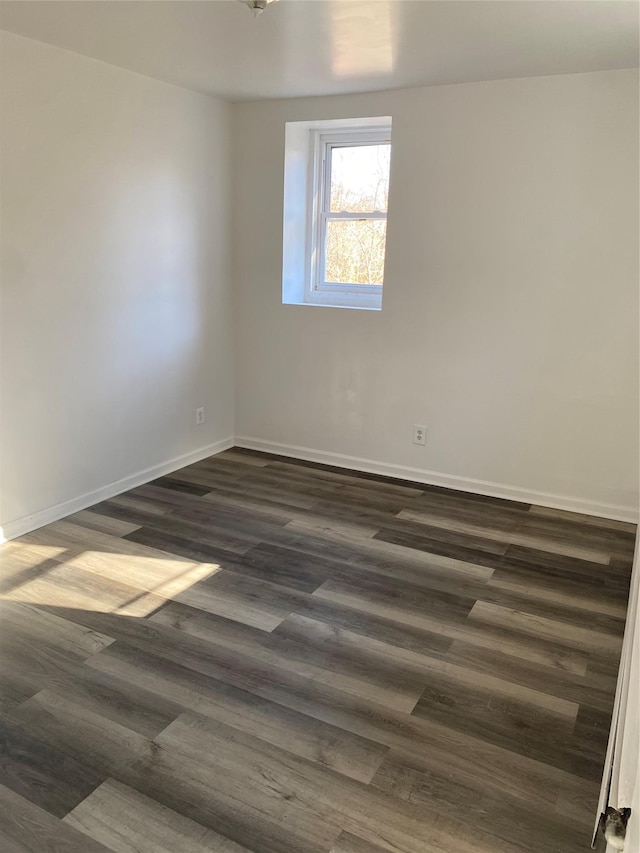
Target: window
point(336, 196)
point(349, 227)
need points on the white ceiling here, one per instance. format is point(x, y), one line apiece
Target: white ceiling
point(320, 47)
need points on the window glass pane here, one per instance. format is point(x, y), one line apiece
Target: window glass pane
point(359, 178)
point(355, 251)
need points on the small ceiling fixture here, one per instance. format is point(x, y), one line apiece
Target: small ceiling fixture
point(257, 6)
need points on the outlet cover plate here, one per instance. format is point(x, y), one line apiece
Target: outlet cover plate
point(419, 434)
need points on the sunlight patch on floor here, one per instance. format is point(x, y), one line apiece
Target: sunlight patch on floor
point(110, 583)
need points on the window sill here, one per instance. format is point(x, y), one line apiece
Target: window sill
point(336, 299)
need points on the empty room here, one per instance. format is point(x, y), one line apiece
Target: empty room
point(320, 391)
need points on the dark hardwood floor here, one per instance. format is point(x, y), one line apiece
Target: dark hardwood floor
point(259, 654)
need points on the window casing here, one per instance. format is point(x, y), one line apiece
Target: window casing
point(335, 212)
point(321, 288)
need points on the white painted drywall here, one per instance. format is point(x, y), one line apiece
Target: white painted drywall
point(510, 316)
point(116, 294)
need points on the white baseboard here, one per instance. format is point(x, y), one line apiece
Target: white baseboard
point(52, 513)
point(27, 523)
point(449, 481)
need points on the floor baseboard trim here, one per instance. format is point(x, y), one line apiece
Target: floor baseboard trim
point(449, 481)
point(53, 513)
point(27, 523)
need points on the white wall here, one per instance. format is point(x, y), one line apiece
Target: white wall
point(115, 278)
point(510, 315)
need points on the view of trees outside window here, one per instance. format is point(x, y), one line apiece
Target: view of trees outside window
point(359, 184)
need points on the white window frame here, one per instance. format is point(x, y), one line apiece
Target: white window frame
point(302, 183)
point(318, 291)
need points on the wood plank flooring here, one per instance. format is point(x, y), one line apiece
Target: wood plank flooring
point(260, 654)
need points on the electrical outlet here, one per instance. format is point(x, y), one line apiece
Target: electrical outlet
point(200, 415)
point(419, 434)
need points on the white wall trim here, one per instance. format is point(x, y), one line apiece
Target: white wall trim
point(449, 481)
point(27, 523)
point(52, 513)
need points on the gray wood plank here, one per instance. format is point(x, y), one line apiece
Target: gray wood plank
point(126, 821)
point(327, 745)
point(26, 828)
point(301, 790)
